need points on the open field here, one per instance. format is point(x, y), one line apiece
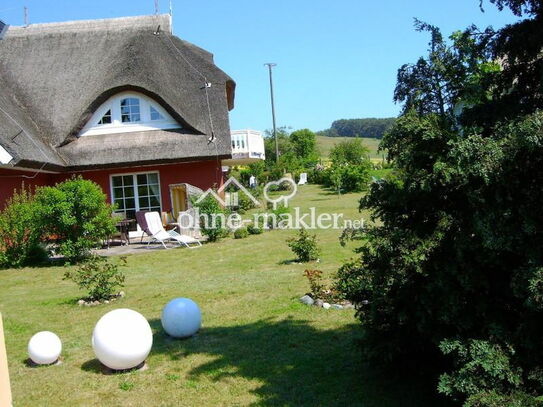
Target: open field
point(325, 144)
point(258, 346)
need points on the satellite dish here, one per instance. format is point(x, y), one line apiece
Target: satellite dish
point(3, 29)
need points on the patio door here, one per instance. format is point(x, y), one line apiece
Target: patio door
point(136, 192)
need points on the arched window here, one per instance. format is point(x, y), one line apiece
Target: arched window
point(129, 112)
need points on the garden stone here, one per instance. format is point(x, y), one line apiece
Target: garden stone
point(325, 305)
point(348, 305)
point(121, 294)
point(307, 300)
point(318, 303)
point(337, 306)
point(81, 302)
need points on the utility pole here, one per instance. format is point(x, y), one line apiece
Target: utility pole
point(25, 10)
point(270, 65)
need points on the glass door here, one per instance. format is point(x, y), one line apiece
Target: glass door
point(136, 192)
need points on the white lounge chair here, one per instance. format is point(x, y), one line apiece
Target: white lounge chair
point(157, 233)
point(303, 178)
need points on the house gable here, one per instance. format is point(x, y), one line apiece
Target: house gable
point(128, 112)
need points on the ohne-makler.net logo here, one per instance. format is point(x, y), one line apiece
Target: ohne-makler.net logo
point(294, 219)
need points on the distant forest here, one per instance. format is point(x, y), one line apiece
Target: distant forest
point(371, 128)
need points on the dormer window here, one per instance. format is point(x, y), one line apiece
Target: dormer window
point(129, 112)
point(155, 115)
point(106, 119)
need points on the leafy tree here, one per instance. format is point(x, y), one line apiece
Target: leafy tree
point(370, 127)
point(21, 232)
point(283, 141)
point(76, 214)
point(304, 146)
point(349, 152)
point(451, 277)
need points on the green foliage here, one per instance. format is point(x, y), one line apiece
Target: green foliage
point(76, 214)
point(297, 151)
point(351, 152)
point(315, 282)
point(245, 203)
point(254, 229)
point(481, 366)
point(370, 127)
point(350, 169)
point(241, 233)
point(100, 278)
point(456, 251)
point(212, 224)
point(346, 178)
point(304, 146)
point(304, 246)
point(277, 216)
point(21, 232)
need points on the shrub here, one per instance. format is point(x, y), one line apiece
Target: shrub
point(76, 213)
point(245, 203)
point(481, 367)
point(276, 216)
point(254, 229)
point(212, 220)
point(319, 289)
point(241, 233)
point(346, 177)
point(100, 278)
point(350, 152)
point(315, 282)
point(21, 232)
point(304, 246)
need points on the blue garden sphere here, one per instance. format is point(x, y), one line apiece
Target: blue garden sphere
point(181, 318)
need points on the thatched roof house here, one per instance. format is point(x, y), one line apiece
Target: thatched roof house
point(54, 77)
point(114, 96)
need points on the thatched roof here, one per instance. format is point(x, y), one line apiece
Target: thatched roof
point(54, 76)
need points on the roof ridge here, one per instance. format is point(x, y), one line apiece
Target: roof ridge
point(137, 23)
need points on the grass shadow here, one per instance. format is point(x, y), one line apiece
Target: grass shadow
point(296, 364)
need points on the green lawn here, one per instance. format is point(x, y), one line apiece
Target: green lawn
point(258, 346)
point(325, 144)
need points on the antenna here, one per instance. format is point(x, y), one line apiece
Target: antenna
point(157, 7)
point(25, 9)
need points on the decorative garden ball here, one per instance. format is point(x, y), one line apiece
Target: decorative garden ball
point(122, 339)
point(181, 318)
point(44, 348)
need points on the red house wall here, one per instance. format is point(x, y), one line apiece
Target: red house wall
point(202, 174)
point(14, 180)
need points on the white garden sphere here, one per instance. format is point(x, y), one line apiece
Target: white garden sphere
point(181, 318)
point(44, 348)
point(122, 339)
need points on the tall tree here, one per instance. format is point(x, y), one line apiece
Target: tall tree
point(453, 267)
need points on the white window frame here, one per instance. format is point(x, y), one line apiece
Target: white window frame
point(92, 128)
point(136, 194)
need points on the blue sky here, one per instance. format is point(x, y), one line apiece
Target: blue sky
point(335, 59)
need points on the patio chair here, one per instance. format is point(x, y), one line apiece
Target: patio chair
point(157, 233)
point(303, 178)
point(142, 222)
